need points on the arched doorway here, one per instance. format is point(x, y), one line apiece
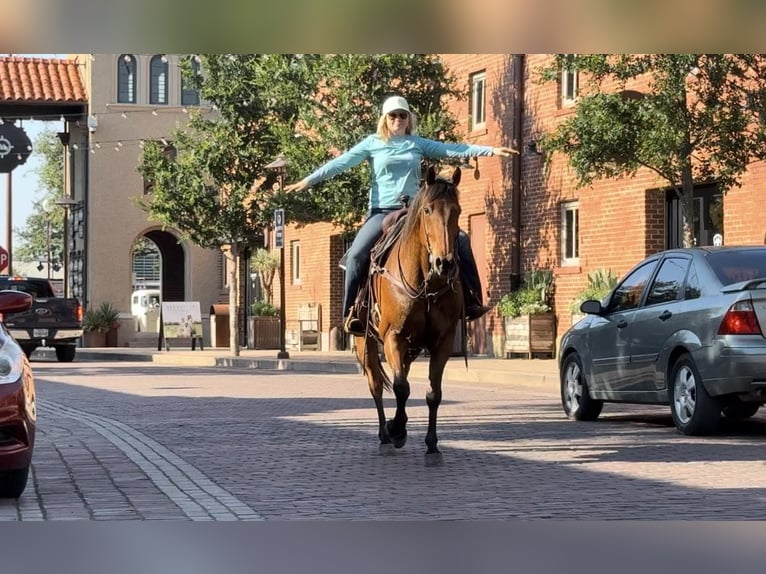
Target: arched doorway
point(159, 261)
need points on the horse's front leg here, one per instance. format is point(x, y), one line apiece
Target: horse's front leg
point(395, 348)
point(440, 354)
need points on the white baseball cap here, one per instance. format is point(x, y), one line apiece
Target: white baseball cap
point(395, 103)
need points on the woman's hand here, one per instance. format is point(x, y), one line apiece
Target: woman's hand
point(299, 186)
point(504, 151)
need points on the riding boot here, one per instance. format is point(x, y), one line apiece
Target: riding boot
point(353, 325)
point(474, 308)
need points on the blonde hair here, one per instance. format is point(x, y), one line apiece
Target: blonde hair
point(385, 133)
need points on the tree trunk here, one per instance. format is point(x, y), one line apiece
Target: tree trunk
point(233, 298)
point(687, 211)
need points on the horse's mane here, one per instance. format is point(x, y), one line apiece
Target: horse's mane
point(440, 189)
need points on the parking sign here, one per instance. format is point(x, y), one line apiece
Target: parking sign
point(279, 228)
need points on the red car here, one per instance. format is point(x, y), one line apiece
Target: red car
point(18, 410)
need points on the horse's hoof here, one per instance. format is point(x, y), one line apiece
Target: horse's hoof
point(434, 459)
point(386, 449)
point(399, 441)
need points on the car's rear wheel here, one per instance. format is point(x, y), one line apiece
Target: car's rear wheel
point(65, 353)
point(575, 397)
point(13, 482)
point(737, 409)
point(694, 411)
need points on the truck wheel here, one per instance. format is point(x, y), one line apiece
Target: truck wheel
point(28, 349)
point(65, 353)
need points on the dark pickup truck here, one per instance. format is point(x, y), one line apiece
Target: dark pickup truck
point(51, 321)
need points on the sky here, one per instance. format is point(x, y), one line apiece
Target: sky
point(25, 182)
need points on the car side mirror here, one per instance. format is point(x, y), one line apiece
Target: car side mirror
point(591, 307)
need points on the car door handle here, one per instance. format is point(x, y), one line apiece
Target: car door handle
point(622, 323)
point(665, 315)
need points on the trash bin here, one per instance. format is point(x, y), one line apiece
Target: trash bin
point(219, 326)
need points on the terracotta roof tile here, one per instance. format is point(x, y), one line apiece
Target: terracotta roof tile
point(40, 80)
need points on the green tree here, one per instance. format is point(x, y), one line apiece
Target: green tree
point(690, 118)
point(32, 240)
point(215, 187)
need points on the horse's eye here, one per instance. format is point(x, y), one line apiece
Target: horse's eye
point(427, 210)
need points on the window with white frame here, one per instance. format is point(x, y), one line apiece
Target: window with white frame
point(569, 86)
point(295, 261)
point(570, 233)
point(126, 79)
point(158, 80)
point(478, 83)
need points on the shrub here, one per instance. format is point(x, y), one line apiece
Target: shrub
point(263, 309)
point(600, 284)
point(102, 319)
point(533, 298)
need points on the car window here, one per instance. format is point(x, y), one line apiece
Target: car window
point(735, 266)
point(667, 283)
point(627, 295)
point(692, 289)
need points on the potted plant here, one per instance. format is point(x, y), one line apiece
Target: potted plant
point(100, 326)
point(263, 326)
point(600, 284)
point(529, 323)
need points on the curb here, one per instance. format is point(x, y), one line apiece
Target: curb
point(453, 373)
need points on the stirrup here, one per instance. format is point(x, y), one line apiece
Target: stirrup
point(353, 325)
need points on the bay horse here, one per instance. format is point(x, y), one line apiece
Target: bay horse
point(416, 303)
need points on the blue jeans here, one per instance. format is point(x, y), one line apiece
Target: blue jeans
point(358, 259)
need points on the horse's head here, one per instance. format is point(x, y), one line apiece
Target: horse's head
point(438, 210)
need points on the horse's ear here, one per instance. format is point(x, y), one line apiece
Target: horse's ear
point(431, 175)
point(456, 176)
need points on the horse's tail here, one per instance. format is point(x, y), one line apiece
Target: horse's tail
point(370, 361)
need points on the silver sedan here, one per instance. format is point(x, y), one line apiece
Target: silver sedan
point(684, 327)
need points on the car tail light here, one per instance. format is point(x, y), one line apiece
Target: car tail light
point(78, 312)
point(740, 319)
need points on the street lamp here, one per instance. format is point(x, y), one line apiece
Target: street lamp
point(66, 203)
point(279, 166)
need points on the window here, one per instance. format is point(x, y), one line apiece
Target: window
point(158, 80)
point(295, 261)
point(570, 233)
point(189, 94)
point(706, 217)
point(692, 290)
point(569, 86)
point(666, 286)
point(126, 79)
point(478, 83)
point(627, 295)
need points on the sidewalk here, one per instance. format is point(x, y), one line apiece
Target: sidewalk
point(536, 372)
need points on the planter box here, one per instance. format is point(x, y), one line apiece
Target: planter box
point(530, 335)
point(93, 339)
point(263, 333)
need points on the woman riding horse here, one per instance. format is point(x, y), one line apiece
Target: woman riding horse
point(395, 153)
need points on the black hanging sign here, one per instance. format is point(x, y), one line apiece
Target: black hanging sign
point(15, 146)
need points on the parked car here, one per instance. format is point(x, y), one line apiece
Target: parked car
point(18, 410)
point(684, 327)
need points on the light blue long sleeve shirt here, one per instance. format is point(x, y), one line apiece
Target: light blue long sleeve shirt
point(395, 164)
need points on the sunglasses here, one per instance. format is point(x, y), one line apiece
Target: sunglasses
point(400, 115)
